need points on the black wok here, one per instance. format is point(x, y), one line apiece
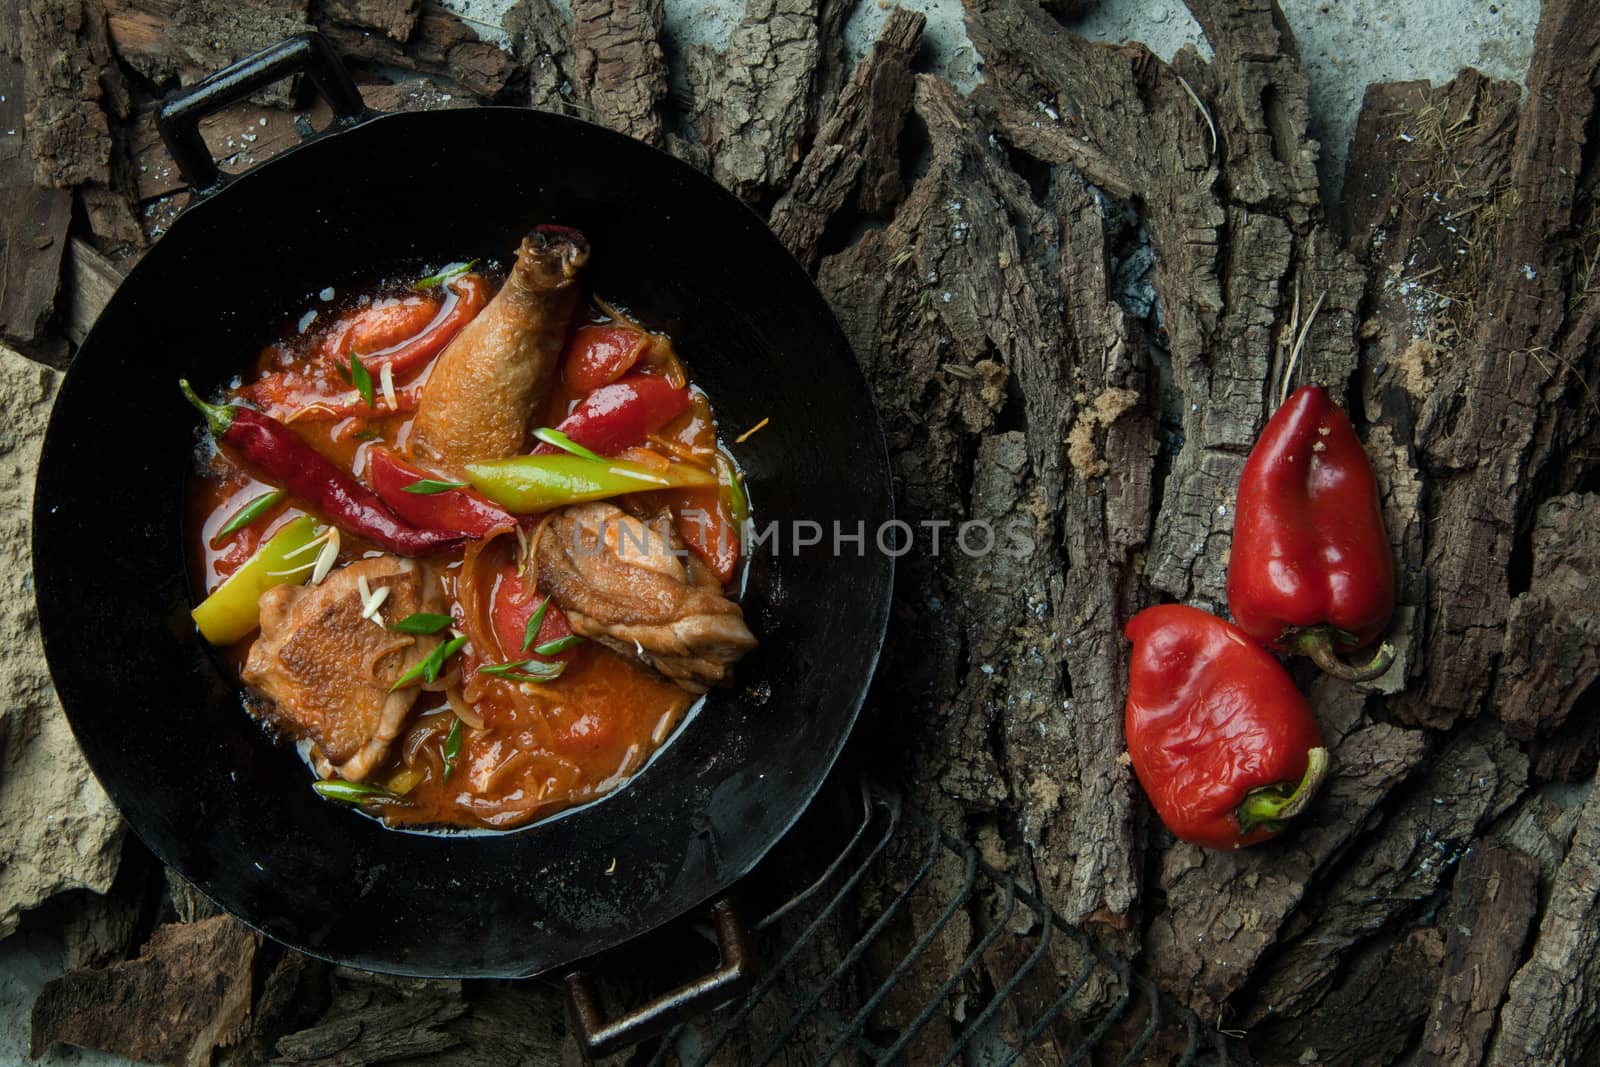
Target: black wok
point(160, 719)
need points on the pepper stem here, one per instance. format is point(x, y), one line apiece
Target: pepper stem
point(218, 416)
point(1317, 643)
point(1273, 805)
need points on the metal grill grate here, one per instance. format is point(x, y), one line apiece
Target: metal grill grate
point(852, 972)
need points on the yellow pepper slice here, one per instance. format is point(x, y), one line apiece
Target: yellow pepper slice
point(525, 484)
point(231, 612)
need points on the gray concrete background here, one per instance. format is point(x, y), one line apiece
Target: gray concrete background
point(1346, 45)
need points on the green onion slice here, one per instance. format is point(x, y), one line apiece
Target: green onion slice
point(452, 748)
point(535, 621)
point(430, 486)
point(454, 270)
point(555, 438)
point(362, 380)
point(422, 622)
point(252, 511)
point(428, 670)
point(528, 670)
point(353, 792)
point(559, 645)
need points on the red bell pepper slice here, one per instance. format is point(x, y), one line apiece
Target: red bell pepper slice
point(289, 396)
point(622, 414)
point(599, 355)
point(376, 327)
point(464, 510)
point(515, 602)
point(1223, 743)
point(383, 326)
point(1310, 569)
point(708, 527)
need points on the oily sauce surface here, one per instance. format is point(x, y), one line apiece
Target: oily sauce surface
point(525, 750)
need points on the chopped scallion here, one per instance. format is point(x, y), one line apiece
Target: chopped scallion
point(429, 486)
point(353, 792)
point(452, 748)
point(535, 621)
point(362, 380)
point(556, 439)
point(428, 670)
point(252, 511)
point(528, 670)
point(455, 270)
point(421, 622)
point(558, 646)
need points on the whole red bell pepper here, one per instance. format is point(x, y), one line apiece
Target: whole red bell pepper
point(1310, 570)
point(1223, 743)
point(464, 510)
point(622, 414)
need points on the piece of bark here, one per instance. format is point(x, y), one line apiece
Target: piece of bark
point(932, 339)
point(183, 41)
point(1371, 1017)
point(72, 85)
point(1398, 863)
point(395, 19)
point(952, 300)
point(754, 101)
point(1495, 900)
point(1469, 326)
point(1552, 1013)
point(619, 68)
point(33, 234)
point(1225, 910)
point(1551, 654)
point(375, 1019)
point(541, 39)
point(1227, 261)
point(441, 45)
point(1089, 854)
point(856, 155)
point(186, 996)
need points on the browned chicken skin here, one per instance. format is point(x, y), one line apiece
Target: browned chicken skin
point(622, 584)
point(328, 671)
point(500, 368)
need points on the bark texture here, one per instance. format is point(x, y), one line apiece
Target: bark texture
point(1076, 296)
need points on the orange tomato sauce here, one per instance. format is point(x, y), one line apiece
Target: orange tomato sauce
point(535, 748)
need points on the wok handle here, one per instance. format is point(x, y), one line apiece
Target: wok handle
point(598, 1036)
point(180, 114)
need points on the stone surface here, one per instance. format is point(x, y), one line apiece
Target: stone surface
point(58, 830)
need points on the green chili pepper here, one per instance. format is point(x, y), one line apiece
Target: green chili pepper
point(526, 484)
point(452, 748)
point(231, 612)
point(733, 491)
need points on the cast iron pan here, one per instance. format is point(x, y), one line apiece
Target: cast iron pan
point(161, 722)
